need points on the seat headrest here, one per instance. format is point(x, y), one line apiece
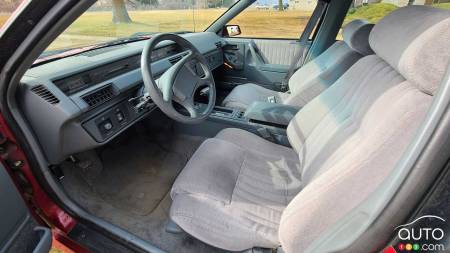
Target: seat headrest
point(356, 35)
point(414, 40)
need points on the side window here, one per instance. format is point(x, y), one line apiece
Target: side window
point(264, 20)
point(374, 10)
point(369, 10)
point(444, 4)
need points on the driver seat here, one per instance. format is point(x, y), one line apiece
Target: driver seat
point(240, 191)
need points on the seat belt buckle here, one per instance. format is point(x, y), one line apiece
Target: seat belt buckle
point(263, 132)
point(272, 99)
point(284, 87)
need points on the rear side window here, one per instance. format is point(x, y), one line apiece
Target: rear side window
point(374, 10)
point(371, 11)
point(444, 4)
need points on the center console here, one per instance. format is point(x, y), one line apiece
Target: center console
point(268, 120)
point(277, 115)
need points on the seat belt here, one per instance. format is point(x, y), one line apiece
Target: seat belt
point(318, 12)
point(255, 51)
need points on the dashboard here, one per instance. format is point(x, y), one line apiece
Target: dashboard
point(83, 101)
point(80, 81)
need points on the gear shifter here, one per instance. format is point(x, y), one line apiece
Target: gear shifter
point(141, 101)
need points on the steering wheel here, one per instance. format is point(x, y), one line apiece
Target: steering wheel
point(178, 83)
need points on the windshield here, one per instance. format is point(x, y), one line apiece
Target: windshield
point(109, 20)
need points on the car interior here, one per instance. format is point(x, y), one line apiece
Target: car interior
point(212, 142)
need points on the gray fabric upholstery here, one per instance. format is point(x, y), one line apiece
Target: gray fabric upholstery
point(345, 143)
point(417, 46)
point(356, 34)
point(276, 51)
point(348, 140)
point(244, 95)
point(315, 76)
point(221, 202)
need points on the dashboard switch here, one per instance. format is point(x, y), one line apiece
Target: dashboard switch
point(120, 116)
point(106, 126)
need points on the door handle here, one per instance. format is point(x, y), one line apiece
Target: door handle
point(231, 47)
point(45, 240)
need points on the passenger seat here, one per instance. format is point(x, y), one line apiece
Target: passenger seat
point(314, 77)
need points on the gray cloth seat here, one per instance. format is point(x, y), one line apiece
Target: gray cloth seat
point(240, 191)
point(244, 166)
point(313, 78)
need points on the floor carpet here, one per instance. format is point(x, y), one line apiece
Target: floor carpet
point(128, 183)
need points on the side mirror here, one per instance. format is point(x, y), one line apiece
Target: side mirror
point(232, 30)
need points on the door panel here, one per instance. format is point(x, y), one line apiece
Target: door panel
point(19, 232)
point(277, 52)
point(261, 61)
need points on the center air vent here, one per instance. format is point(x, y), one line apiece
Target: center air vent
point(99, 96)
point(218, 44)
point(44, 93)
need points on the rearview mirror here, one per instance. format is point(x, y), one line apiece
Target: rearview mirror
point(232, 30)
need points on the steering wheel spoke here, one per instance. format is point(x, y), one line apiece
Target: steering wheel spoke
point(189, 105)
point(165, 87)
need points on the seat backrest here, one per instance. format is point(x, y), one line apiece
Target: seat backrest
point(317, 75)
point(351, 136)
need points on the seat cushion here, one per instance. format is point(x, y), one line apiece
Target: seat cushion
point(247, 140)
point(244, 95)
point(236, 189)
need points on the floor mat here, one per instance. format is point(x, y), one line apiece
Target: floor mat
point(128, 184)
point(137, 175)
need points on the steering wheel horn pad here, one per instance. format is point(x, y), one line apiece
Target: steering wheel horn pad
point(179, 82)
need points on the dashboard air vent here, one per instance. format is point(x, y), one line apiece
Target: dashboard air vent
point(175, 59)
point(218, 44)
point(99, 96)
point(44, 93)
